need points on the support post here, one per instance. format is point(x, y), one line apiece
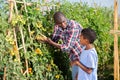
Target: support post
point(116, 57)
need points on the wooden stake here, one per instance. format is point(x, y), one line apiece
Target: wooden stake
point(16, 7)
point(17, 55)
point(4, 77)
point(10, 10)
point(116, 57)
point(29, 31)
point(23, 43)
point(25, 5)
point(115, 32)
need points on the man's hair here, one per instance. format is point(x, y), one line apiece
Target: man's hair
point(89, 34)
point(59, 17)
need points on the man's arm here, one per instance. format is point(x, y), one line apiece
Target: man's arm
point(53, 43)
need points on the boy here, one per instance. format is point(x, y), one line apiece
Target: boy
point(88, 57)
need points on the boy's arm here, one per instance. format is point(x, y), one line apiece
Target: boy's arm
point(86, 69)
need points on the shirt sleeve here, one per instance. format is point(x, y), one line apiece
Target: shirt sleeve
point(71, 38)
point(56, 34)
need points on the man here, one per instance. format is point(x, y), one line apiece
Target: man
point(68, 31)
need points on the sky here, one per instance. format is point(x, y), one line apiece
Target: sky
point(102, 3)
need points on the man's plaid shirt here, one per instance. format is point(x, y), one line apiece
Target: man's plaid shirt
point(70, 38)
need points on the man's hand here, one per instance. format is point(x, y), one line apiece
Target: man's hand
point(41, 38)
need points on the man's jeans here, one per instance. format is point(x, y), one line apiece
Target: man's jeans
point(74, 72)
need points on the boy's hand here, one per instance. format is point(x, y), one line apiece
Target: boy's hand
point(75, 63)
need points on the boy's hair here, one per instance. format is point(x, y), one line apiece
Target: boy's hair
point(59, 17)
point(89, 34)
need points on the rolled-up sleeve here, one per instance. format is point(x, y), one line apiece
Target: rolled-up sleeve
point(56, 34)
